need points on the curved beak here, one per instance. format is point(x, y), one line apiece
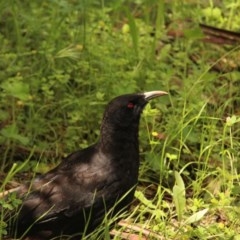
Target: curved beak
point(153, 94)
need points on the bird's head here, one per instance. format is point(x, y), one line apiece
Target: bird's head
point(124, 111)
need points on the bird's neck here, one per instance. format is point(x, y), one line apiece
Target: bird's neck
point(119, 140)
point(121, 147)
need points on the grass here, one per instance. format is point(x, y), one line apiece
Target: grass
point(62, 61)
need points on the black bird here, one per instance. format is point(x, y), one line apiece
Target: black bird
point(75, 196)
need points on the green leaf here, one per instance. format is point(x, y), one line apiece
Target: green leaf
point(140, 196)
point(179, 195)
point(16, 88)
point(230, 121)
point(71, 52)
point(179, 181)
point(11, 132)
point(196, 216)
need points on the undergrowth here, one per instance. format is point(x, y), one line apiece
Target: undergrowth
point(62, 61)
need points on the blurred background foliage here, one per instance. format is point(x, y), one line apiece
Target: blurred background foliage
point(62, 61)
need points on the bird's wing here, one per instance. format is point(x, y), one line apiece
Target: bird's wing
point(68, 189)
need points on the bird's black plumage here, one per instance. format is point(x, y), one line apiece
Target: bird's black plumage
point(75, 196)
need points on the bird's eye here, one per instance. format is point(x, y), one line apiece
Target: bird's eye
point(130, 105)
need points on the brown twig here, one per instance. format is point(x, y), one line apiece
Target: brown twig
point(5, 193)
point(219, 35)
point(145, 233)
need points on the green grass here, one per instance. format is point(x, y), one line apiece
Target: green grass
point(62, 61)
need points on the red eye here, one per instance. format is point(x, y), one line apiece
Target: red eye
point(130, 105)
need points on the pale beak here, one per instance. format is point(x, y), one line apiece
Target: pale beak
point(153, 94)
